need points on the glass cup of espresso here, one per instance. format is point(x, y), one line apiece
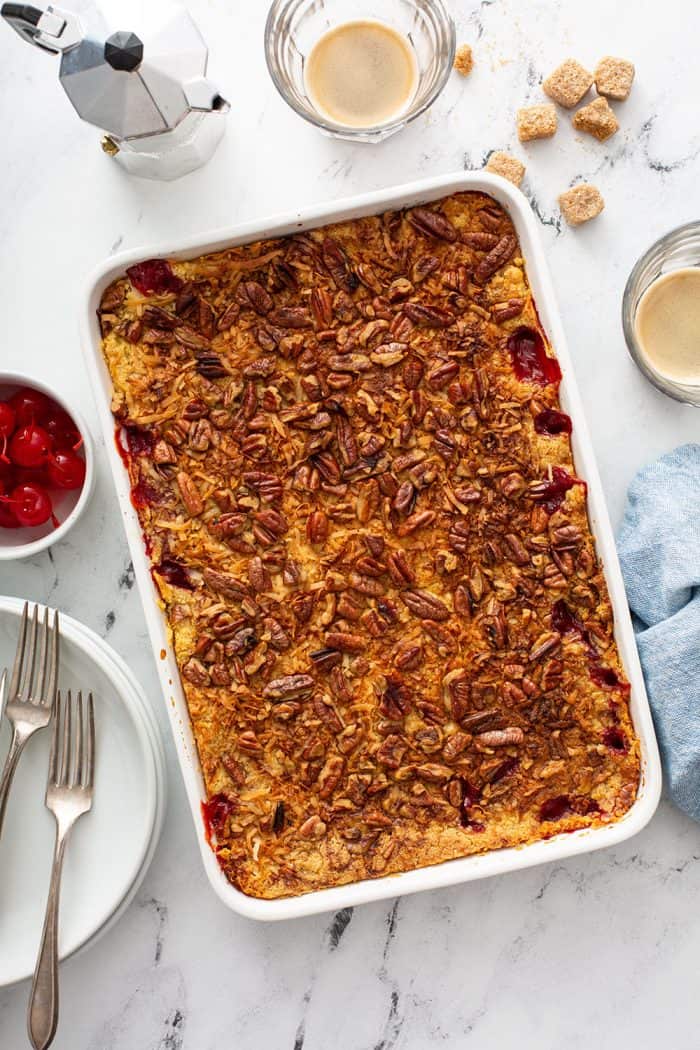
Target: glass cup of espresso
point(661, 313)
point(359, 72)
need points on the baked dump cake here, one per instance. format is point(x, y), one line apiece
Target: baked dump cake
point(357, 494)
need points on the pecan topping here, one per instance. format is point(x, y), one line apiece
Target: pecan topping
point(391, 751)
point(428, 316)
point(317, 527)
point(225, 583)
point(433, 224)
point(189, 494)
point(496, 258)
point(337, 265)
point(210, 365)
point(254, 294)
point(290, 317)
point(289, 687)
point(313, 828)
point(356, 486)
point(196, 673)
point(501, 737)
point(425, 605)
point(345, 642)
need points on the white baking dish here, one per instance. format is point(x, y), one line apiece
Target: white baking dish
point(449, 872)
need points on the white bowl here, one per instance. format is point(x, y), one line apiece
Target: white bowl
point(68, 505)
point(111, 848)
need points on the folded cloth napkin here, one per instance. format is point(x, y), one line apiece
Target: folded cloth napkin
point(659, 547)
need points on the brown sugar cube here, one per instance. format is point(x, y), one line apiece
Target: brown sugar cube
point(597, 118)
point(504, 164)
point(537, 122)
point(464, 60)
point(581, 203)
point(568, 83)
point(613, 77)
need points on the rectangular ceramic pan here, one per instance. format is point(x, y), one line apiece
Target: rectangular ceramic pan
point(453, 871)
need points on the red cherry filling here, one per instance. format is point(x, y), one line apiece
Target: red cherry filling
point(605, 677)
point(145, 494)
point(30, 446)
point(470, 796)
point(66, 469)
point(505, 768)
point(216, 812)
point(154, 277)
point(555, 808)
point(550, 493)
point(139, 441)
point(530, 360)
point(175, 573)
point(552, 423)
point(615, 739)
point(564, 621)
point(558, 807)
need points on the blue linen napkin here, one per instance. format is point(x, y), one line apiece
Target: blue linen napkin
point(659, 547)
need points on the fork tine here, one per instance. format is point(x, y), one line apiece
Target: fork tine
point(65, 747)
point(89, 767)
point(38, 689)
point(55, 742)
point(50, 692)
point(3, 692)
point(19, 654)
point(77, 774)
point(30, 662)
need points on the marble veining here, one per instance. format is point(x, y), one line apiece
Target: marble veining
point(601, 950)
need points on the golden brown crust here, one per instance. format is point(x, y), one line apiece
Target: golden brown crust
point(358, 497)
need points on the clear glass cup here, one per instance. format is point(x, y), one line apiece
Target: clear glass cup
point(294, 26)
point(676, 250)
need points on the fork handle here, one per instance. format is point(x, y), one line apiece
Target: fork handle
point(13, 755)
point(42, 1017)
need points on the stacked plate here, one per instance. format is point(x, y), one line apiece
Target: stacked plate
point(110, 849)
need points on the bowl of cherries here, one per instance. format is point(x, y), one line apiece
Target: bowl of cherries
point(46, 466)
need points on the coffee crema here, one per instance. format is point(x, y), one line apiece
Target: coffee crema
point(361, 74)
point(667, 325)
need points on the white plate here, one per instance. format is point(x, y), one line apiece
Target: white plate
point(111, 847)
point(448, 873)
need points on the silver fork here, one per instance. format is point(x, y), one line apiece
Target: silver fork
point(68, 795)
point(32, 689)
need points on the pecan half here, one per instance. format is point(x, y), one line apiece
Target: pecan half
point(190, 494)
point(210, 365)
point(289, 687)
point(428, 316)
point(345, 642)
point(336, 263)
point(433, 224)
point(425, 605)
point(225, 583)
point(317, 527)
point(255, 295)
point(196, 673)
point(291, 317)
point(496, 258)
point(501, 737)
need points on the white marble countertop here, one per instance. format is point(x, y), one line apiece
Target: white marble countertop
point(600, 950)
